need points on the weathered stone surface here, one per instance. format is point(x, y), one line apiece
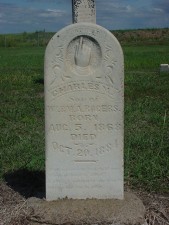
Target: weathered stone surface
point(84, 74)
point(164, 68)
point(128, 211)
point(84, 11)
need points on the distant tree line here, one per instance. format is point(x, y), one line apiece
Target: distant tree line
point(38, 38)
point(41, 38)
point(143, 36)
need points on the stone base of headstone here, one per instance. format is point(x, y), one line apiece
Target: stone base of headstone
point(129, 211)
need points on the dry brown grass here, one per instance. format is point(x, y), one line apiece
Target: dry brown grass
point(157, 209)
point(13, 209)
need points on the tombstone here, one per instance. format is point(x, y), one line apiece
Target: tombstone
point(84, 74)
point(164, 68)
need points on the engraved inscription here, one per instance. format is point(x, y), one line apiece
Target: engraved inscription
point(83, 137)
point(97, 87)
point(61, 148)
point(83, 117)
point(58, 127)
point(96, 178)
point(84, 150)
point(84, 113)
point(107, 127)
point(84, 108)
point(83, 99)
point(99, 127)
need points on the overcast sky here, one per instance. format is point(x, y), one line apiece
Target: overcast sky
point(30, 15)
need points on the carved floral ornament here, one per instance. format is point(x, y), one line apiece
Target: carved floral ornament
point(83, 51)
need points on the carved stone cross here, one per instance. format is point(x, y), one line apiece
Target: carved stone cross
point(84, 11)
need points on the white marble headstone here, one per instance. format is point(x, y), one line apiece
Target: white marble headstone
point(84, 74)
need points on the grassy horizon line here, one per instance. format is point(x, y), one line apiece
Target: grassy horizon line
point(112, 30)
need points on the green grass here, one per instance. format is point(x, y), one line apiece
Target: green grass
point(146, 114)
point(147, 130)
point(147, 118)
point(145, 58)
point(22, 113)
point(26, 58)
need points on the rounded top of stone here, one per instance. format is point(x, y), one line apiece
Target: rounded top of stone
point(85, 50)
point(88, 29)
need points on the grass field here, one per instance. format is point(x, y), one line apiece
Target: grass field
point(146, 114)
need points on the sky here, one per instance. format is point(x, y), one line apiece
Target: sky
point(17, 16)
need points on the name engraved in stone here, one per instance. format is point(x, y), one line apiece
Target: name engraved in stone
point(101, 88)
point(84, 108)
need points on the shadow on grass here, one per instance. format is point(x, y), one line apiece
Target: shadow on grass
point(27, 183)
point(39, 81)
